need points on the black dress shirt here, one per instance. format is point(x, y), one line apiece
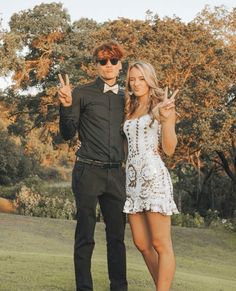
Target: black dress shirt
point(97, 117)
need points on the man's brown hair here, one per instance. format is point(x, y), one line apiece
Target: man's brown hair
point(108, 50)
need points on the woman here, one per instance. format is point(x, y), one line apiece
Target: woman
point(149, 122)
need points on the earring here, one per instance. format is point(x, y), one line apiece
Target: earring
point(130, 93)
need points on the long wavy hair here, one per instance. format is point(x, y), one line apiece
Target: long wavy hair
point(156, 94)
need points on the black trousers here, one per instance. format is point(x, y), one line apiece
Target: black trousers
point(92, 184)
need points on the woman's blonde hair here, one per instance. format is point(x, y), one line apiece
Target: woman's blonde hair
point(156, 94)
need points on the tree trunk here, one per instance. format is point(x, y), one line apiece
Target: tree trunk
point(226, 166)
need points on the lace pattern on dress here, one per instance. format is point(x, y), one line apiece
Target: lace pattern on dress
point(148, 182)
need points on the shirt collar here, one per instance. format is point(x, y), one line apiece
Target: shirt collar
point(101, 84)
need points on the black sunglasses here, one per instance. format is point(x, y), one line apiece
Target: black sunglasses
point(103, 62)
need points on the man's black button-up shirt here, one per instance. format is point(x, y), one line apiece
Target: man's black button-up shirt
point(97, 117)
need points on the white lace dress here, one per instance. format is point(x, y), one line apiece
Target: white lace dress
point(148, 182)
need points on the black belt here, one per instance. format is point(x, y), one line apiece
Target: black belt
point(99, 163)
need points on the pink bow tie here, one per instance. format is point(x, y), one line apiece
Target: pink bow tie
point(114, 88)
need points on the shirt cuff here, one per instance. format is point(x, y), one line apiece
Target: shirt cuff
point(65, 111)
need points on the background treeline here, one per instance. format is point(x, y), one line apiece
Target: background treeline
point(198, 58)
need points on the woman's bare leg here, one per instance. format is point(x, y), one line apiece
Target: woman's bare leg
point(160, 231)
point(142, 240)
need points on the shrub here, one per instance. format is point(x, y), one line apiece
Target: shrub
point(49, 173)
point(188, 220)
point(33, 204)
point(212, 217)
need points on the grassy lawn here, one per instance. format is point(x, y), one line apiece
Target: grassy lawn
point(36, 254)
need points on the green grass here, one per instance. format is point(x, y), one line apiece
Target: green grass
point(37, 254)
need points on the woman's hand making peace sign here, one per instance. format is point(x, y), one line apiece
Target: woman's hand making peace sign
point(64, 93)
point(166, 108)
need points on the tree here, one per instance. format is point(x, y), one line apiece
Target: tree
point(198, 58)
point(14, 164)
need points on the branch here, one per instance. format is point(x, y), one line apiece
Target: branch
point(226, 166)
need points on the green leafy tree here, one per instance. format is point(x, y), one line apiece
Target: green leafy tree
point(14, 164)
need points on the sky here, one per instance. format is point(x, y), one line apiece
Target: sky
point(103, 10)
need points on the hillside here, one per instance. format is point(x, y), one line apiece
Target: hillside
point(36, 254)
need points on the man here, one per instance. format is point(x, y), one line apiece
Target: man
point(95, 111)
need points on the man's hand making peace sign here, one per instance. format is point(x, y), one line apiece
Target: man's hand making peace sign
point(64, 93)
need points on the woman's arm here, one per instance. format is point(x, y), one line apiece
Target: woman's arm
point(165, 113)
point(168, 135)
